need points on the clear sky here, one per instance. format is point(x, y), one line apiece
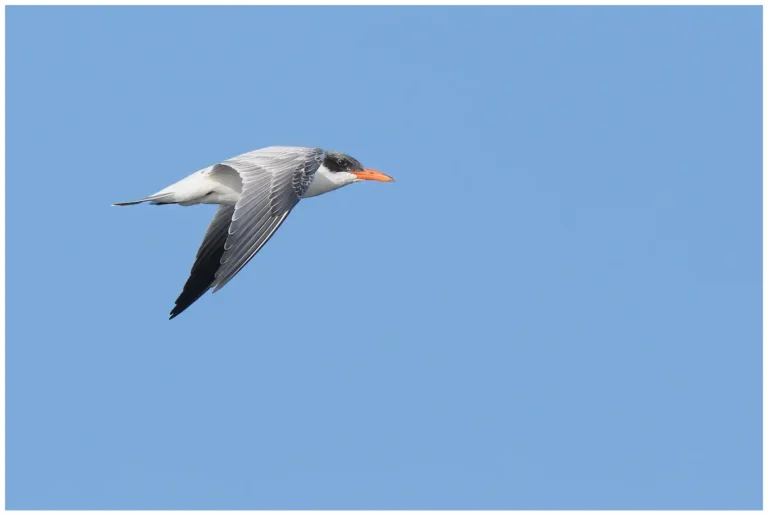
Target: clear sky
point(556, 306)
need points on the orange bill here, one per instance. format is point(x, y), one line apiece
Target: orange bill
point(373, 175)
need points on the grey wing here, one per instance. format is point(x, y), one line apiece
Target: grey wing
point(207, 261)
point(274, 179)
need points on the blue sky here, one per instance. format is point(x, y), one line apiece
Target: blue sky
point(556, 306)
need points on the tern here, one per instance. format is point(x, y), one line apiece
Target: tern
point(255, 192)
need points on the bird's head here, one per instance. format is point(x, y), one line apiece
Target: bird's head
point(348, 170)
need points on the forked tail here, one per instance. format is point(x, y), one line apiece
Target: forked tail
point(165, 198)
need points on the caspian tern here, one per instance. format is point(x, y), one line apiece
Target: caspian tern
point(255, 192)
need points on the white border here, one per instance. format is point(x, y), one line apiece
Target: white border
point(353, 2)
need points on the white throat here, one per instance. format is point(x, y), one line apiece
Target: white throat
point(325, 181)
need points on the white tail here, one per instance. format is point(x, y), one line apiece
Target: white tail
point(158, 198)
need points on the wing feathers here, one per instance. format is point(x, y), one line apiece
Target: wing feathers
point(265, 201)
point(207, 261)
point(273, 181)
point(225, 275)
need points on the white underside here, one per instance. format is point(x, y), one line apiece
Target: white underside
point(325, 181)
point(222, 185)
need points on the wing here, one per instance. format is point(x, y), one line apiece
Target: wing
point(207, 262)
point(274, 179)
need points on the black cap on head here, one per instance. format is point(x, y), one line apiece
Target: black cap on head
point(340, 162)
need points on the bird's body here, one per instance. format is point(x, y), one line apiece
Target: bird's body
point(255, 192)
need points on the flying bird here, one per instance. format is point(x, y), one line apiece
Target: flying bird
point(255, 192)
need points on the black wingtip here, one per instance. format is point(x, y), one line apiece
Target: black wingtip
point(187, 299)
point(177, 310)
point(207, 261)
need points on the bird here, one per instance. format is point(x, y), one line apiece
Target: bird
point(255, 193)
